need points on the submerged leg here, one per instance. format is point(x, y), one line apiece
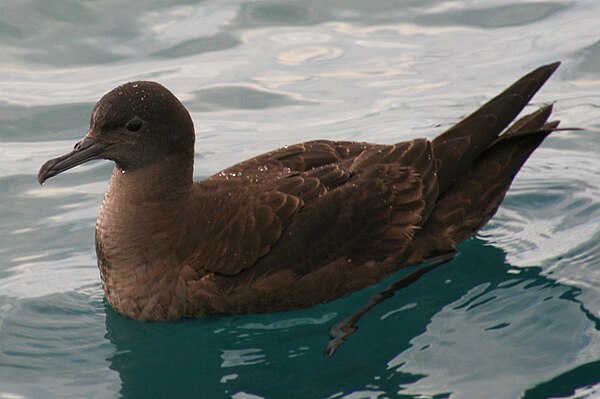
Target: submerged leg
point(340, 331)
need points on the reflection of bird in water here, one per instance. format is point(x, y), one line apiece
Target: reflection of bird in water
point(293, 227)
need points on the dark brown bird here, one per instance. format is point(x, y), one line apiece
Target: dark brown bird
point(294, 227)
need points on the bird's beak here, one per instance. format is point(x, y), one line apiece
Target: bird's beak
point(86, 150)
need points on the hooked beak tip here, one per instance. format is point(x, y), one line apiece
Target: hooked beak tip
point(86, 150)
point(45, 171)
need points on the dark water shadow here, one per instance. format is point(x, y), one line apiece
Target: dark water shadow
point(566, 384)
point(281, 355)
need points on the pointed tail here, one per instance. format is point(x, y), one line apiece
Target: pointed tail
point(457, 148)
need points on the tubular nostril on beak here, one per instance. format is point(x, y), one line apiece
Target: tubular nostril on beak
point(77, 146)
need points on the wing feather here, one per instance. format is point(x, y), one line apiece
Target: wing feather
point(335, 200)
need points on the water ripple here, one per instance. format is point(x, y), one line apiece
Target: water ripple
point(554, 223)
point(73, 328)
point(516, 313)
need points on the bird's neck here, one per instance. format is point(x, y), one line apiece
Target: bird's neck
point(147, 199)
point(143, 216)
point(164, 181)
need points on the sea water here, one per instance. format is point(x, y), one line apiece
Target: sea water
point(516, 314)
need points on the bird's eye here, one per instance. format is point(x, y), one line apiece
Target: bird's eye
point(134, 125)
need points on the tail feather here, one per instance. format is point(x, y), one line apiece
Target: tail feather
point(529, 123)
point(483, 187)
point(458, 147)
point(476, 195)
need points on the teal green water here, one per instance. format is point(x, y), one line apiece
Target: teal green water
point(516, 314)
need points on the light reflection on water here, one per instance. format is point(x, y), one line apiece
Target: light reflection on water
point(516, 313)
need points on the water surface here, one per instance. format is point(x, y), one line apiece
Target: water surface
point(516, 314)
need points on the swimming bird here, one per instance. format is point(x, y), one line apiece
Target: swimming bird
point(293, 227)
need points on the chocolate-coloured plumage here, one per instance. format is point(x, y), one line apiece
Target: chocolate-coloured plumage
point(294, 227)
